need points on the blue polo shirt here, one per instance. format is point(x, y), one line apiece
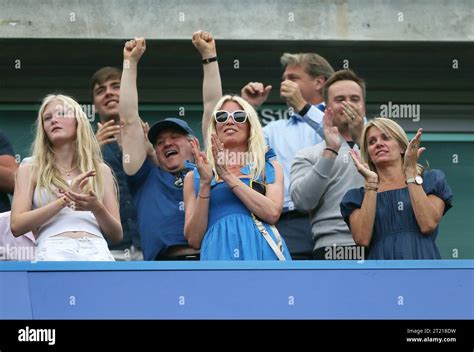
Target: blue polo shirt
point(160, 209)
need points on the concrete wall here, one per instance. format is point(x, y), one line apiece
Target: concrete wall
point(425, 20)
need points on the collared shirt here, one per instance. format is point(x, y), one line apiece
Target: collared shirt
point(287, 137)
point(128, 214)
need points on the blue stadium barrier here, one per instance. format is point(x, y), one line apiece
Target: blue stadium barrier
point(431, 289)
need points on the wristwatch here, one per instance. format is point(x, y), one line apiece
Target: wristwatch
point(418, 180)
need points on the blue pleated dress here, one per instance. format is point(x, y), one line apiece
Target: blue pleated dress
point(231, 233)
point(396, 233)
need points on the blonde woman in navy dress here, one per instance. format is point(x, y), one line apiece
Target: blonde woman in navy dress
point(396, 214)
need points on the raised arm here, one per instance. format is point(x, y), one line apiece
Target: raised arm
point(107, 211)
point(291, 92)
point(362, 220)
point(211, 85)
point(309, 180)
point(428, 209)
point(134, 153)
point(197, 208)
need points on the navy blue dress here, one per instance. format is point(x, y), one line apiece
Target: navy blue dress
point(396, 233)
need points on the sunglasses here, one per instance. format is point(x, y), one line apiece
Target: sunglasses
point(239, 116)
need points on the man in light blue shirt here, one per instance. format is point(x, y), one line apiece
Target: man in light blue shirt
point(301, 88)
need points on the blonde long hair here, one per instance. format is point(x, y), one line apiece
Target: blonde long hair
point(256, 143)
point(87, 150)
point(390, 128)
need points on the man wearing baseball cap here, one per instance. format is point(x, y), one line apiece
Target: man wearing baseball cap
point(157, 190)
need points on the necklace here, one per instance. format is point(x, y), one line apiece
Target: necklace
point(68, 172)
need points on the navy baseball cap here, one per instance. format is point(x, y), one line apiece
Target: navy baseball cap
point(169, 122)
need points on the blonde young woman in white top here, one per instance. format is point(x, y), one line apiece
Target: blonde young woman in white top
point(66, 194)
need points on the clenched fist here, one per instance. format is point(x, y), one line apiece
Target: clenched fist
point(205, 44)
point(134, 49)
point(290, 91)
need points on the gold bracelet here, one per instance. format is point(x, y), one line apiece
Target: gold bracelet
point(369, 188)
point(199, 195)
point(63, 201)
point(232, 188)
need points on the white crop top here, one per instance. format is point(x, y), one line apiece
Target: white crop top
point(64, 221)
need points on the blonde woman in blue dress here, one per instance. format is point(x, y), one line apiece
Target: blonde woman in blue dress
point(236, 190)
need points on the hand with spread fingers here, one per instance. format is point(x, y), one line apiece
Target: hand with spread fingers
point(369, 175)
point(78, 185)
point(80, 181)
point(219, 157)
point(412, 154)
point(150, 149)
point(351, 111)
point(331, 132)
point(203, 167)
point(107, 132)
point(356, 120)
point(84, 202)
